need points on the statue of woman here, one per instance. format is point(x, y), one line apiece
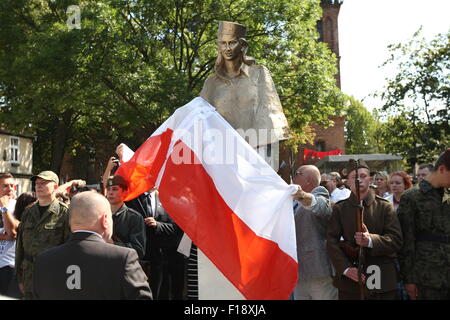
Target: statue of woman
point(243, 92)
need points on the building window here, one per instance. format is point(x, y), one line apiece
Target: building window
point(330, 33)
point(18, 189)
point(320, 146)
point(320, 30)
point(14, 149)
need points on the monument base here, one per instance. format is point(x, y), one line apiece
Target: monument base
point(212, 284)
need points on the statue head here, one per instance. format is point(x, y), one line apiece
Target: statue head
point(231, 44)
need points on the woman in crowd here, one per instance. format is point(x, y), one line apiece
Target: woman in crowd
point(381, 180)
point(399, 181)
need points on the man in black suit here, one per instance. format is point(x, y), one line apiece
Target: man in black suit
point(86, 266)
point(164, 265)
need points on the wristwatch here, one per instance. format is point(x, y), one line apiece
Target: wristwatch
point(3, 209)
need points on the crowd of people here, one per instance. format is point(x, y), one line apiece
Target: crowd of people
point(70, 223)
point(403, 242)
point(117, 250)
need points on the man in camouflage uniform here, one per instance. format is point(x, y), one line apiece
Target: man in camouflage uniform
point(44, 225)
point(424, 214)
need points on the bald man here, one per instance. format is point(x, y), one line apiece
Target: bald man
point(312, 210)
point(88, 265)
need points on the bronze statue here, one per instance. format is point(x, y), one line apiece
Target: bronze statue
point(243, 92)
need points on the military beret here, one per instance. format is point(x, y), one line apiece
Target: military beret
point(351, 165)
point(117, 181)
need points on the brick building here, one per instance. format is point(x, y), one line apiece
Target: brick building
point(332, 137)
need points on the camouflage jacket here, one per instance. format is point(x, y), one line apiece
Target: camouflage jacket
point(37, 233)
point(422, 211)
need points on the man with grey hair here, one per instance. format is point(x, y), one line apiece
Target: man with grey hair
point(312, 210)
point(331, 181)
point(87, 266)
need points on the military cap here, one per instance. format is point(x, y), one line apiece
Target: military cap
point(117, 181)
point(47, 175)
point(232, 29)
point(351, 165)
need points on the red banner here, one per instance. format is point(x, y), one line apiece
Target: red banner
point(320, 154)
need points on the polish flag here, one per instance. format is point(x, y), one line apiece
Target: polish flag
point(224, 196)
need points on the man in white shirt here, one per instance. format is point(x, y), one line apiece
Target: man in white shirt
point(331, 181)
point(8, 232)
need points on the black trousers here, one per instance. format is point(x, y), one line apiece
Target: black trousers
point(8, 283)
point(166, 276)
point(428, 293)
point(390, 295)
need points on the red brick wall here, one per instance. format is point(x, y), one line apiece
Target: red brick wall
point(332, 137)
point(331, 32)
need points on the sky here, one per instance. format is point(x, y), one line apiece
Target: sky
point(367, 27)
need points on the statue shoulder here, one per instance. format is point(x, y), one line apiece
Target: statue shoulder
point(259, 69)
point(210, 78)
point(259, 74)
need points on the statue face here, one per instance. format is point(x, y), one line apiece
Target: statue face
point(229, 47)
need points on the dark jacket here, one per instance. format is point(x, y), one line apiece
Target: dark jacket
point(129, 230)
point(166, 235)
point(86, 267)
point(384, 228)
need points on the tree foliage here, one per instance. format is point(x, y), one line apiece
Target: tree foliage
point(416, 111)
point(134, 62)
point(360, 129)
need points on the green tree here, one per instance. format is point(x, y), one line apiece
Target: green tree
point(360, 129)
point(416, 110)
point(134, 62)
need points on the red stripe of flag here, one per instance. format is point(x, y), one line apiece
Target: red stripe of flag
point(256, 266)
point(142, 170)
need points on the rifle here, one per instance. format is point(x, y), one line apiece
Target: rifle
point(359, 228)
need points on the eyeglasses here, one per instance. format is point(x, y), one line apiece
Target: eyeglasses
point(298, 172)
point(42, 183)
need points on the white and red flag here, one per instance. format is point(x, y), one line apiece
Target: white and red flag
point(224, 196)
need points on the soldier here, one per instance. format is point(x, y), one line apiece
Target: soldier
point(381, 239)
point(44, 225)
point(424, 214)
